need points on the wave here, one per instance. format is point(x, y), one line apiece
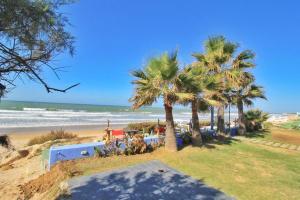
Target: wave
point(42, 117)
point(3, 126)
point(34, 109)
point(32, 118)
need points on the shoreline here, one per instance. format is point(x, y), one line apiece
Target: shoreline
point(47, 129)
point(21, 136)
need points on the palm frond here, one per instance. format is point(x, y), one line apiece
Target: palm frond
point(244, 60)
point(255, 91)
point(139, 74)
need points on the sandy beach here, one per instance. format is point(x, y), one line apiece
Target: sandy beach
point(22, 170)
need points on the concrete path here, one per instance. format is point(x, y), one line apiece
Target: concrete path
point(151, 180)
point(271, 143)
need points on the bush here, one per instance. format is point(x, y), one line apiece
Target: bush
point(135, 145)
point(5, 141)
point(23, 153)
point(144, 126)
point(204, 123)
point(186, 137)
point(255, 119)
point(112, 147)
point(53, 135)
point(207, 136)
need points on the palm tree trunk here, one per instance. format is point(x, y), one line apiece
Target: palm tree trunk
point(170, 140)
point(241, 120)
point(212, 118)
point(221, 121)
point(196, 135)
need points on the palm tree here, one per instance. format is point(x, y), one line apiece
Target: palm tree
point(244, 96)
point(195, 80)
point(244, 90)
point(255, 119)
point(217, 55)
point(160, 78)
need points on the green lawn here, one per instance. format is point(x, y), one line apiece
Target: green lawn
point(295, 124)
point(240, 169)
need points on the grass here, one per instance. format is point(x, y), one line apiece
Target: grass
point(279, 134)
point(53, 135)
point(240, 169)
point(295, 124)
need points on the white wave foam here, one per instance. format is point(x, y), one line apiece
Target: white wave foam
point(34, 109)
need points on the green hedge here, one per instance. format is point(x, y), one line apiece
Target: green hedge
point(144, 126)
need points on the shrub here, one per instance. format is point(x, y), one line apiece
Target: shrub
point(204, 123)
point(135, 145)
point(98, 152)
point(207, 136)
point(144, 126)
point(23, 153)
point(53, 135)
point(255, 120)
point(186, 137)
point(5, 141)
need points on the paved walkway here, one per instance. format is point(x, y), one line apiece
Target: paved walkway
point(272, 143)
point(151, 180)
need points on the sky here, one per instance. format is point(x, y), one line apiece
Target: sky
point(114, 37)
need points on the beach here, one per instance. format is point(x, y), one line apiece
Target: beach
point(32, 117)
point(24, 121)
point(23, 170)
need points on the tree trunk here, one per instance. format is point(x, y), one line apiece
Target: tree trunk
point(221, 121)
point(241, 119)
point(196, 135)
point(212, 118)
point(170, 140)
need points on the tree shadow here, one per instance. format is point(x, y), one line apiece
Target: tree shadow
point(152, 180)
point(222, 140)
point(210, 143)
point(258, 134)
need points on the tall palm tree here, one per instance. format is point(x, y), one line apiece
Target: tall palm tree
point(217, 54)
point(244, 89)
point(160, 78)
point(195, 80)
point(239, 74)
point(244, 96)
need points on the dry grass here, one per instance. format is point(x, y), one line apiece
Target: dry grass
point(283, 135)
point(5, 142)
point(42, 184)
point(53, 135)
point(9, 164)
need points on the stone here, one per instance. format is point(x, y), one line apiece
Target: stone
point(64, 188)
point(269, 143)
point(293, 147)
point(285, 146)
point(261, 142)
point(276, 144)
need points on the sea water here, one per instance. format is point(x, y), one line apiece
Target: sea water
point(17, 115)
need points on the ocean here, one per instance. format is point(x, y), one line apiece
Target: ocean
point(17, 116)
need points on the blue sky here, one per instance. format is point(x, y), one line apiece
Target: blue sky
point(114, 37)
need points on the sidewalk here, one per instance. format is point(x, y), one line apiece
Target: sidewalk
point(271, 143)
